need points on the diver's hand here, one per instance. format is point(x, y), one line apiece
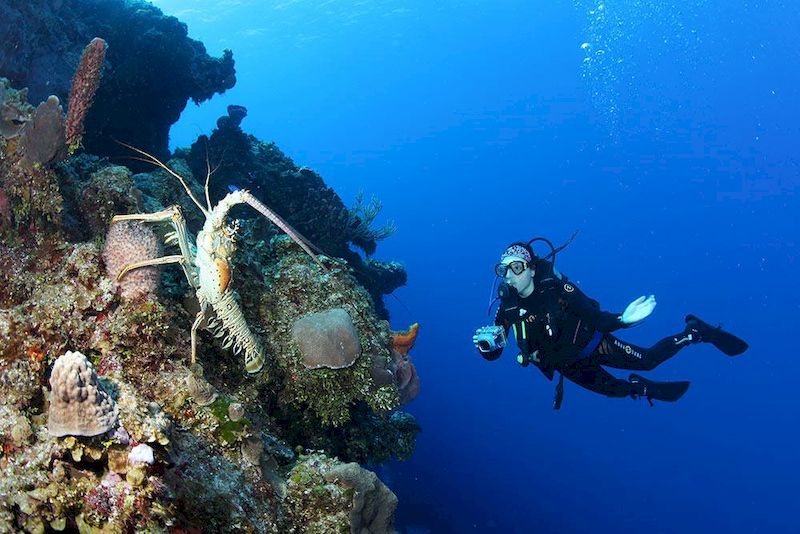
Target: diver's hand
point(486, 338)
point(639, 309)
point(475, 337)
point(480, 334)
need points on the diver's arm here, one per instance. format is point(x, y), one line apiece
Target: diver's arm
point(589, 309)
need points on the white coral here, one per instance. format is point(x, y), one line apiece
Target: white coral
point(78, 407)
point(141, 454)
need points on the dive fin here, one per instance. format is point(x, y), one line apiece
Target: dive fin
point(724, 341)
point(662, 391)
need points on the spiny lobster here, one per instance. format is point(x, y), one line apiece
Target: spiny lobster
point(207, 265)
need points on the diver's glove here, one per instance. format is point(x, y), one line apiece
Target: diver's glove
point(638, 310)
point(489, 338)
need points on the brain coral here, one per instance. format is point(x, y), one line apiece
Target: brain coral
point(78, 407)
point(128, 242)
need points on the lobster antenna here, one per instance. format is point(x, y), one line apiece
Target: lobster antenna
point(209, 172)
point(149, 158)
point(283, 225)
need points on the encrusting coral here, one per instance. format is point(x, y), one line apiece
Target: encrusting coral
point(78, 407)
point(327, 339)
point(296, 289)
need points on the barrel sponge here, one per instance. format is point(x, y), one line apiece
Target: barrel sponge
point(374, 504)
point(128, 242)
point(78, 407)
point(327, 339)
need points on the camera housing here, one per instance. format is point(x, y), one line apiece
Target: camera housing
point(490, 338)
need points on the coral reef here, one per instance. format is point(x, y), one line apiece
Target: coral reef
point(29, 194)
point(41, 44)
point(328, 496)
point(192, 448)
point(293, 290)
point(299, 196)
point(14, 109)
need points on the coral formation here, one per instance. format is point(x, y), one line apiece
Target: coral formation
point(325, 495)
point(40, 47)
point(373, 503)
point(189, 450)
point(327, 339)
point(78, 406)
point(299, 196)
point(294, 289)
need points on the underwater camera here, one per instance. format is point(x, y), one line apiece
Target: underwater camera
point(490, 338)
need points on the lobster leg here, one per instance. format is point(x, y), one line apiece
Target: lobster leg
point(197, 320)
point(159, 216)
point(180, 236)
point(146, 263)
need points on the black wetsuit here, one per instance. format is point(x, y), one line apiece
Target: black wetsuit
point(559, 328)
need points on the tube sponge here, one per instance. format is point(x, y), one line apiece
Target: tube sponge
point(78, 407)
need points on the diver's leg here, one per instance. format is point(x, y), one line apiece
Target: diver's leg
point(619, 354)
point(699, 331)
point(589, 375)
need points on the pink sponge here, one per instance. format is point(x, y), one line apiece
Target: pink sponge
point(128, 242)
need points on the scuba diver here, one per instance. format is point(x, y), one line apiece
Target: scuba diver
point(559, 329)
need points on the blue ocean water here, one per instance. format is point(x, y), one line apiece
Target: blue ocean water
point(665, 133)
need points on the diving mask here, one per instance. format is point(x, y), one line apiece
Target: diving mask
point(517, 267)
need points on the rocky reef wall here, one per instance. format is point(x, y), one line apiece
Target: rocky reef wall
point(152, 67)
point(106, 422)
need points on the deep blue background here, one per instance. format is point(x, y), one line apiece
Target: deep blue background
point(670, 142)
